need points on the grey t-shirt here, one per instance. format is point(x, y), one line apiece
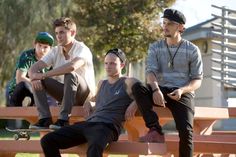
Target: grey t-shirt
point(111, 103)
point(187, 63)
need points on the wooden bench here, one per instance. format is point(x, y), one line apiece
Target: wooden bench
point(121, 147)
point(31, 114)
point(204, 119)
point(232, 114)
point(203, 144)
point(230, 133)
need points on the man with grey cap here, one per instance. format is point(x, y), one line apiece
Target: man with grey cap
point(174, 70)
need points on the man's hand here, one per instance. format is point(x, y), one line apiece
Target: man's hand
point(88, 108)
point(37, 85)
point(176, 94)
point(131, 110)
point(158, 98)
point(36, 76)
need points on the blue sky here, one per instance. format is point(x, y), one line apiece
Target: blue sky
point(197, 11)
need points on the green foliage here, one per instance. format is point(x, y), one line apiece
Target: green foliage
point(20, 21)
point(102, 24)
point(128, 24)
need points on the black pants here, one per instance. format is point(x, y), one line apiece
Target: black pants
point(96, 134)
point(21, 91)
point(182, 111)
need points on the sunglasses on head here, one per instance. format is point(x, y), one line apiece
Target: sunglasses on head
point(117, 52)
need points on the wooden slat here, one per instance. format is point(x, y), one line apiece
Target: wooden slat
point(17, 112)
point(207, 147)
point(128, 147)
point(33, 146)
point(200, 112)
point(205, 138)
point(224, 132)
point(232, 112)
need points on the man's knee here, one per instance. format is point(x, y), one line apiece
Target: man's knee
point(45, 141)
point(136, 87)
point(70, 76)
point(21, 84)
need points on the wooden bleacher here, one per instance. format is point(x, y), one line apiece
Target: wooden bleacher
point(204, 141)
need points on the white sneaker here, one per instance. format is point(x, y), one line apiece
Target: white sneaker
point(26, 102)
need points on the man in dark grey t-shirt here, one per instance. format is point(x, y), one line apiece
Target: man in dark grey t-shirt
point(114, 104)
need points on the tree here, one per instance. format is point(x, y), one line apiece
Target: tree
point(127, 24)
point(20, 21)
point(102, 24)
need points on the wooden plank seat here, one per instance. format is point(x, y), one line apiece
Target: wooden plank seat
point(206, 144)
point(204, 119)
point(121, 147)
point(31, 114)
point(202, 144)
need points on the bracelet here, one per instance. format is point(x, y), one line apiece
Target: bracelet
point(154, 90)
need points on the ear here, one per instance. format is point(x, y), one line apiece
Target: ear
point(34, 44)
point(73, 32)
point(122, 65)
point(181, 28)
point(123, 70)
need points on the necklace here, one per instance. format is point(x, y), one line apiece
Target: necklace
point(66, 55)
point(171, 58)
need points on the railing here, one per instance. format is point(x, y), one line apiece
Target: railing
point(224, 56)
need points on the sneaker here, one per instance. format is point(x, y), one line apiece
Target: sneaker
point(26, 102)
point(59, 123)
point(152, 137)
point(41, 124)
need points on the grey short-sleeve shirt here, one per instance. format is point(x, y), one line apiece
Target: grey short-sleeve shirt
point(187, 63)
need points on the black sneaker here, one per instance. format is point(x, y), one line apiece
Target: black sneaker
point(59, 123)
point(42, 124)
